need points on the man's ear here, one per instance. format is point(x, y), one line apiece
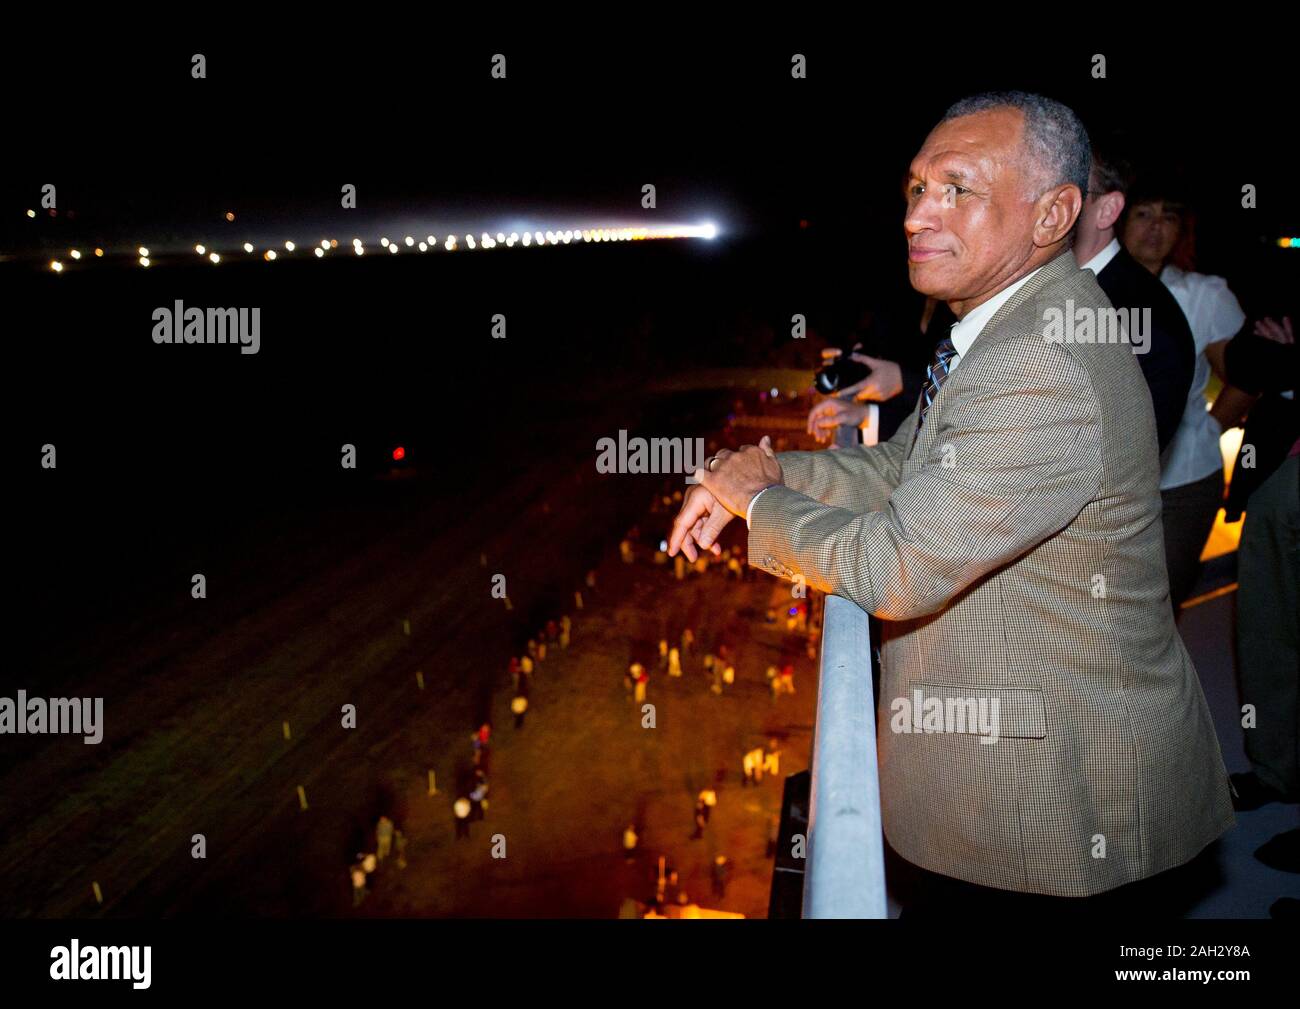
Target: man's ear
point(1110, 207)
point(1057, 209)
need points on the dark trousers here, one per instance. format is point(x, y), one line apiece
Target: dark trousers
point(1166, 895)
point(1187, 515)
point(1268, 665)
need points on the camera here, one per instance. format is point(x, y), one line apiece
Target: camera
point(840, 374)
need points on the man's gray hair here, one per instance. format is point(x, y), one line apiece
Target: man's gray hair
point(1054, 137)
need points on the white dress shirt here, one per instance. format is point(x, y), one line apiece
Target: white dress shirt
point(969, 326)
point(1100, 261)
point(1213, 314)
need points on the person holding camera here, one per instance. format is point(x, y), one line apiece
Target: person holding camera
point(870, 392)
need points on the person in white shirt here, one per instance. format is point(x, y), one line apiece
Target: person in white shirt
point(1191, 481)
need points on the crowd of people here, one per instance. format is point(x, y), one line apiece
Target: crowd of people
point(708, 657)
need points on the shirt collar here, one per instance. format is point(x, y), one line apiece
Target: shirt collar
point(966, 329)
point(1100, 261)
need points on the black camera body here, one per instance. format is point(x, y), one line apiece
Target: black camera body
point(840, 374)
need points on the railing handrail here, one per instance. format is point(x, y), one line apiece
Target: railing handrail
point(845, 874)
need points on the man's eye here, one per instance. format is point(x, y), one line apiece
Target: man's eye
point(952, 189)
point(916, 189)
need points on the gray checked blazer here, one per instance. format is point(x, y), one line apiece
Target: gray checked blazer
point(1014, 553)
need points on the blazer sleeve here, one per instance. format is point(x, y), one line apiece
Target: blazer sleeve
point(859, 478)
point(1017, 457)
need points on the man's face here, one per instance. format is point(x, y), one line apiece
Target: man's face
point(1151, 231)
point(970, 213)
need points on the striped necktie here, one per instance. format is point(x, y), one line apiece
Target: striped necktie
point(935, 375)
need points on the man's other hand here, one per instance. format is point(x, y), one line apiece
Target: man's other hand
point(699, 521)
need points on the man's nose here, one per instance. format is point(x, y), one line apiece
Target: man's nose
point(924, 216)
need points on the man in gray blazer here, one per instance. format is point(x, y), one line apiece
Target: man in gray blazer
point(1008, 536)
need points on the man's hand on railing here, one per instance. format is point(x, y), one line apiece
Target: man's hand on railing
point(727, 484)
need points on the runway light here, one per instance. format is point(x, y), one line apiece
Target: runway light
point(144, 260)
point(99, 253)
point(409, 241)
point(424, 247)
point(320, 253)
point(384, 242)
point(334, 243)
point(75, 253)
point(289, 246)
point(360, 250)
point(528, 239)
point(270, 255)
point(451, 243)
point(501, 236)
point(214, 258)
point(469, 240)
point(31, 213)
point(709, 231)
point(248, 246)
point(324, 243)
point(431, 240)
point(200, 250)
point(143, 252)
point(56, 266)
point(392, 247)
point(230, 215)
point(399, 453)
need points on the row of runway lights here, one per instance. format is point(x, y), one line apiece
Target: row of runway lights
point(485, 241)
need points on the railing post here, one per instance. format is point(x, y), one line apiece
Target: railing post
point(845, 875)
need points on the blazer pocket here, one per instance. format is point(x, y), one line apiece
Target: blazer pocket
point(1020, 711)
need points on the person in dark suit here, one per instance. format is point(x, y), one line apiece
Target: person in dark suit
point(1169, 356)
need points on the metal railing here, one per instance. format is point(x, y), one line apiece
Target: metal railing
point(845, 872)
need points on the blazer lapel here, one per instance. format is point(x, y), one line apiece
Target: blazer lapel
point(1057, 268)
